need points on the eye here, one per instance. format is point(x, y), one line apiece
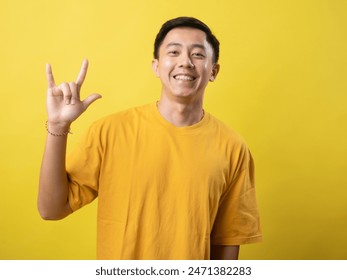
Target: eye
point(198, 55)
point(173, 53)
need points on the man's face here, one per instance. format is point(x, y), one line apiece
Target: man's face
point(185, 64)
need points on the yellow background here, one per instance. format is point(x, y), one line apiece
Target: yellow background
point(282, 85)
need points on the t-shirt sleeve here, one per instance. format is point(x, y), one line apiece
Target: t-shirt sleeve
point(237, 220)
point(83, 168)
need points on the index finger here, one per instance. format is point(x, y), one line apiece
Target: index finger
point(49, 76)
point(82, 74)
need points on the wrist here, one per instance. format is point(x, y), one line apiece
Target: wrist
point(58, 128)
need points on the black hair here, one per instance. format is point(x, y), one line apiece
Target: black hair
point(186, 22)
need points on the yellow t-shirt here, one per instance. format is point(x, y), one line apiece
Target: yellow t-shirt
point(164, 192)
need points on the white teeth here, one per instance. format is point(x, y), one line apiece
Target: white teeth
point(184, 78)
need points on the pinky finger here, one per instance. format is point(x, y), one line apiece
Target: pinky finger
point(49, 76)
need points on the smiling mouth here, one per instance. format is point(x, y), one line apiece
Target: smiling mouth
point(181, 77)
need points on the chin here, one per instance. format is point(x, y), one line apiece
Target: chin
point(184, 95)
point(184, 92)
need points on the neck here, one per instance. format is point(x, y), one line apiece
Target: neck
point(180, 114)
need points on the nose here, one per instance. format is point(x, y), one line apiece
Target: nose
point(186, 62)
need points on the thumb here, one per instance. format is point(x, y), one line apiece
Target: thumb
point(90, 99)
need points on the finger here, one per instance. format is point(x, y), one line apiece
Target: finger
point(82, 74)
point(66, 92)
point(49, 76)
point(75, 93)
point(90, 99)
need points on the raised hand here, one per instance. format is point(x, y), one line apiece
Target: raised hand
point(63, 101)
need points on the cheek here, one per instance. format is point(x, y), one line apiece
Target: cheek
point(207, 69)
point(165, 69)
point(167, 64)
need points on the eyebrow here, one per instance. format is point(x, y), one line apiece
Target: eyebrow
point(180, 45)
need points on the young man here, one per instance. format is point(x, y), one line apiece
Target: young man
point(172, 181)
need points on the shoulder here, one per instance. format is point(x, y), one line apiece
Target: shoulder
point(121, 118)
point(234, 146)
point(226, 133)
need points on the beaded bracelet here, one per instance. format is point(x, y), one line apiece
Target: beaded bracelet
point(62, 134)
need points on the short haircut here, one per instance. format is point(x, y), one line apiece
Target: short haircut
point(186, 22)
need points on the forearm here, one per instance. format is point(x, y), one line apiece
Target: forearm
point(63, 107)
point(53, 185)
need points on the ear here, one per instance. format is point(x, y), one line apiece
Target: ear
point(155, 64)
point(215, 70)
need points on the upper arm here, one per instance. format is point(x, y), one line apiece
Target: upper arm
point(57, 214)
point(220, 252)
